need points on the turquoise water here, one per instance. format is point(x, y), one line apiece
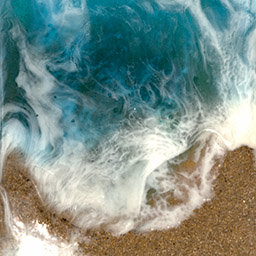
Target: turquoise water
point(103, 97)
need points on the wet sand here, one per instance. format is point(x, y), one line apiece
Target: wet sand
point(224, 226)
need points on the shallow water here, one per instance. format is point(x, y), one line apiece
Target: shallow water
point(106, 97)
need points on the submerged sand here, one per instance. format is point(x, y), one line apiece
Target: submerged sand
point(226, 225)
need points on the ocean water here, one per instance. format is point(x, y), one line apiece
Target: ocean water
point(108, 99)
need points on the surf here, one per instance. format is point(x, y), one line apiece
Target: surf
point(106, 99)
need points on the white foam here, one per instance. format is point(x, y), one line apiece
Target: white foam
point(35, 240)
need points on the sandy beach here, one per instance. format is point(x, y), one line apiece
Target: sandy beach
point(226, 225)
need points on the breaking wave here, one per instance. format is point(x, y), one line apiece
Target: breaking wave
point(109, 99)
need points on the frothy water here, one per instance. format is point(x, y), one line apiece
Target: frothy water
point(105, 98)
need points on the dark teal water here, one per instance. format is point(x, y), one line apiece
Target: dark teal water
point(103, 96)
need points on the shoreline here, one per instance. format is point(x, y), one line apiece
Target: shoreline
point(226, 225)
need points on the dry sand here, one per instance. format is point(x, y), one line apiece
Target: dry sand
point(224, 226)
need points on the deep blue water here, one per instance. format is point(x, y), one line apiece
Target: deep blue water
point(114, 61)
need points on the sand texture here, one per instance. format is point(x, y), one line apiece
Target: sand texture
point(224, 226)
